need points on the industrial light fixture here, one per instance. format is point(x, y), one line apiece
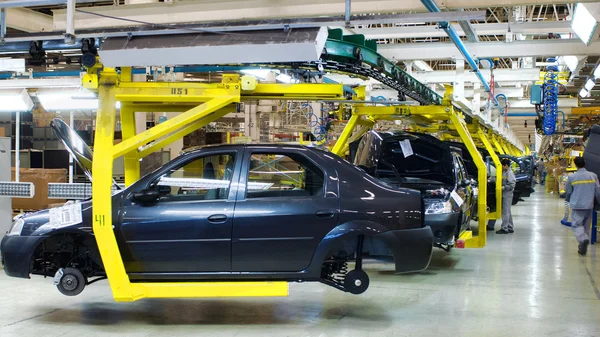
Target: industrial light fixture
point(16, 100)
point(584, 93)
point(285, 78)
point(258, 73)
point(584, 22)
point(421, 65)
point(589, 84)
point(53, 100)
point(571, 61)
point(597, 72)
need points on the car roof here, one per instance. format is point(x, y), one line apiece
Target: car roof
point(259, 145)
point(414, 135)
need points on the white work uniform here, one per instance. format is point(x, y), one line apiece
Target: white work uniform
point(508, 186)
point(581, 189)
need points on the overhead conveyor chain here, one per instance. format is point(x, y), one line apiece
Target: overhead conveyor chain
point(352, 54)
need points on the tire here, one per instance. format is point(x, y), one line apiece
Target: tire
point(356, 282)
point(72, 282)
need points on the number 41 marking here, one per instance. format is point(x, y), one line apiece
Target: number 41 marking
point(99, 219)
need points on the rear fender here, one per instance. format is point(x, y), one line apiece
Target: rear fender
point(411, 248)
point(340, 234)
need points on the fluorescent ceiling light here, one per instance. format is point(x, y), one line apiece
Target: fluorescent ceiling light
point(258, 73)
point(597, 72)
point(584, 24)
point(15, 101)
point(589, 84)
point(285, 78)
point(53, 100)
point(422, 66)
point(584, 93)
point(571, 61)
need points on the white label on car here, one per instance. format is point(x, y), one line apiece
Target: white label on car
point(66, 215)
point(406, 148)
point(457, 198)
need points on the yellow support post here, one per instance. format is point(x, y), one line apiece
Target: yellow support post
point(496, 161)
point(497, 145)
point(527, 151)
point(479, 240)
point(504, 148)
point(131, 159)
point(341, 143)
point(102, 168)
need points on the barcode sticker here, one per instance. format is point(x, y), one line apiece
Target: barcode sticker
point(406, 148)
point(65, 215)
point(459, 201)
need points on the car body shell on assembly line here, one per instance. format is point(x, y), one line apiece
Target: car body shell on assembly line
point(230, 213)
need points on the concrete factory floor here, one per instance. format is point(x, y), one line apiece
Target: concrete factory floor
point(530, 283)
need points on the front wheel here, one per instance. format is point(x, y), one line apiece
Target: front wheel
point(70, 281)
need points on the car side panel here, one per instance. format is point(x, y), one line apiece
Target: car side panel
point(280, 234)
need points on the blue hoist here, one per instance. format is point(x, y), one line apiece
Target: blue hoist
point(545, 99)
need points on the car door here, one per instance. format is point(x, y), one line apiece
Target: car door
point(189, 228)
point(283, 213)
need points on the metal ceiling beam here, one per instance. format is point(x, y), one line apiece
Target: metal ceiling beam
point(526, 28)
point(247, 25)
point(468, 29)
point(443, 50)
point(500, 76)
point(37, 3)
point(90, 19)
point(28, 20)
point(202, 11)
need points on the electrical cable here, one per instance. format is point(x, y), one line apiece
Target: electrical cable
point(318, 125)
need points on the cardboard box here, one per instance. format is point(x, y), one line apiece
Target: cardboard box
point(2, 132)
point(40, 179)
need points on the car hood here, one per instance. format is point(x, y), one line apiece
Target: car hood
point(81, 153)
point(430, 162)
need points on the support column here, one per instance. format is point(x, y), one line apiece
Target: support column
point(102, 167)
point(341, 144)
point(465, 136)
point(458, 85)
point(131, 160)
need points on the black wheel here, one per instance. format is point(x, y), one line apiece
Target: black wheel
point(72, 282)
point(356, 282)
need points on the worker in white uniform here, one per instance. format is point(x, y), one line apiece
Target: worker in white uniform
point(508, 186)
point(581, 189)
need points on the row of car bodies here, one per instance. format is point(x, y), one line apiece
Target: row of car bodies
point(258, 212)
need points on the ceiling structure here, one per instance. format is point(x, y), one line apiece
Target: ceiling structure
point(520, 35)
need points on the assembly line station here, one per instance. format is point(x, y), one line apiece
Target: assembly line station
point(165, 72)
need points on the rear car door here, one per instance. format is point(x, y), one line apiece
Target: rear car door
point(189, 228)
point(283, 212)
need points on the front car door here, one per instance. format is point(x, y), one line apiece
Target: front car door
point(284, 211)
point(189, 228)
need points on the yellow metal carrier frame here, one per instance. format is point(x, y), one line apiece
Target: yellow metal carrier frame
point(200, 104)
